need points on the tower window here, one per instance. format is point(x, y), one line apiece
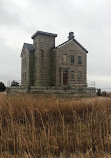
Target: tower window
point(25, 76)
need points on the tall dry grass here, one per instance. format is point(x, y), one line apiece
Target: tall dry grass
point(39, 127)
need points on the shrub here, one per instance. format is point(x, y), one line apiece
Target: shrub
point(14, 83)
point(2, 87)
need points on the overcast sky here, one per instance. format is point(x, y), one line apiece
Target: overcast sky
point(90, 20)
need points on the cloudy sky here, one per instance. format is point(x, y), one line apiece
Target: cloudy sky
point(89, 20)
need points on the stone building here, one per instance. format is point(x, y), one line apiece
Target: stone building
point(44, 65)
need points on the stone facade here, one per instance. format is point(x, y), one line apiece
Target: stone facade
point(55, 91)
point(27, 65)
point(43, 46)
point(43, 64)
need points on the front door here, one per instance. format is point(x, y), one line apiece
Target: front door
point(65, 77)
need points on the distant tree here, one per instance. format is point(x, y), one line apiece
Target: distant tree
point(99, 92)
point(14, 83)
point(2, 87)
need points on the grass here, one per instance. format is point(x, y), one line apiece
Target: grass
point(39, 127)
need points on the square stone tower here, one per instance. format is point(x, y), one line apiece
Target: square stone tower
point(43, 43)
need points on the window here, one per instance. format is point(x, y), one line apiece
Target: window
point(79, 75)
point(35, 74)
point(72, 75)
point(25, 76)
point(79, 60)
point(64, 58)
point(35, 45)
point(72, 59)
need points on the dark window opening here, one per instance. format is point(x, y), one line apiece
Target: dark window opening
point(72, 59)
point(79, 75)
point(79, 60)
point(25, 76)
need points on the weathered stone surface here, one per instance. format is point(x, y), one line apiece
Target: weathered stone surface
point(61, 92)
point(42, 63)
point(48, 65)
point(27, 67)
point(70, 48)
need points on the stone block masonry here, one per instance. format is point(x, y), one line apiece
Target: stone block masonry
point(43, 64)
point(54, 91)
point(60, 70)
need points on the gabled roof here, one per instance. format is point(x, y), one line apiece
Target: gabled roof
point(29, 46)
point(75, 42)
point(43, 33)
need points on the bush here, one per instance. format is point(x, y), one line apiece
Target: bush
point(14, 83)
point(2, 87)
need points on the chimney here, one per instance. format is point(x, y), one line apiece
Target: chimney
point(71, 35)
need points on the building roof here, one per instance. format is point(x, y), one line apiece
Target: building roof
point(43, 33)
point(75, 42)
point(29, 46)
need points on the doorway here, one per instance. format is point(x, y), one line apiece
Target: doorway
point(65, 77)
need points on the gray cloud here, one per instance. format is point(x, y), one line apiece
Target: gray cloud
point(90, 20)
point(9, 13)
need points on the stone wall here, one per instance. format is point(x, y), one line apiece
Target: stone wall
point(60, 92)
point(25, 67)
point(45, 66)
point(18, 89)
point(43, 45)
point(68, 49)
point(53, 68)
point(31, 69)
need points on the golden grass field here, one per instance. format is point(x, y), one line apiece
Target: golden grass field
point(48, 127)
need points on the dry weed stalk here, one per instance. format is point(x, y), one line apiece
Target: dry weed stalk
point(32, 126)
